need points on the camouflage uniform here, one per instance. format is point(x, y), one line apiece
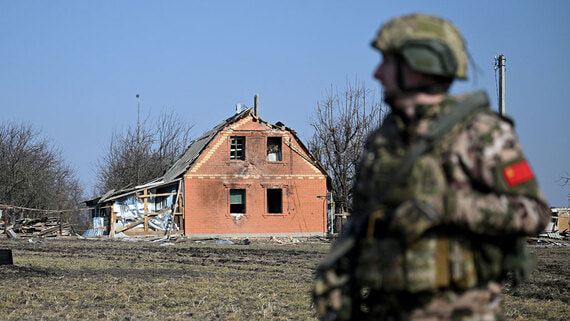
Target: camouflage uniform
point(443, 262)
point(436, 245)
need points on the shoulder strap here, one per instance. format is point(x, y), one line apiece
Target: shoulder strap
point(458, 111)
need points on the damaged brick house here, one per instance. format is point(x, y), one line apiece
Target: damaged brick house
point(244, 177)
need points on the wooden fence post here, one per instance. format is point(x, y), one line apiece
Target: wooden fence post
point(145, 195)
point(112, 223)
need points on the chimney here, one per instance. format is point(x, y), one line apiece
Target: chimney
point(256, 105)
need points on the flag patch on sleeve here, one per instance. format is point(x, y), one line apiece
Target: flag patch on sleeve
point(517, 173)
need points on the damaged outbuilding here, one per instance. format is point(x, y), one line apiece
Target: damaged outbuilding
point(153, 208)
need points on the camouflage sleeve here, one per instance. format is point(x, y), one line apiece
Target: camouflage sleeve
point(492, 188)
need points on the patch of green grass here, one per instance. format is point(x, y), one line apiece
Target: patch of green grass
point(525, 309)
point(546, 293)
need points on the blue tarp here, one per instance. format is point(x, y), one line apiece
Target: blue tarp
point(95, 231)
point(130, 209)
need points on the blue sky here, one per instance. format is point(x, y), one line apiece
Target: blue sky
point(73, 68)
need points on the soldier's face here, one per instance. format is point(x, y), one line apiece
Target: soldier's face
point(386, 73)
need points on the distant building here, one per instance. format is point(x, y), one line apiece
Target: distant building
point(244, 177)
point(560, 221)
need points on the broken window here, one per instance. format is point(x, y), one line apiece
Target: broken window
point(237, 201)
point(273, 149)
point(274, 201)
point(237, 148)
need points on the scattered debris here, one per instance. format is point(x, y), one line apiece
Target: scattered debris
point(11, 234)
point(546, 242)
point(220, 241)
point(555, 236)
point(45, 227)
point(243, 242)
point(283, 241)
point(224, 242)
point(35, 240)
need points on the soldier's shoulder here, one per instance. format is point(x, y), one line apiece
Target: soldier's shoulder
point(485, 115)
point(485, 120)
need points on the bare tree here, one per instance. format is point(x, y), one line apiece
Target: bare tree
point(33, 174)
point(341, 123)
point(142, 153)
point(564, 180)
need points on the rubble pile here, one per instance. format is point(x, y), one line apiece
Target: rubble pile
point(45, 227)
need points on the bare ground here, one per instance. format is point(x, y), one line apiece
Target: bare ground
point(84, 279)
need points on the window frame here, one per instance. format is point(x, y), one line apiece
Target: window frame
point(235, 150)
point(280, 155)
point(244, 200)
point(268, 198)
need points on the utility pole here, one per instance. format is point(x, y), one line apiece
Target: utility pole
point(138, 134)
point(500, 64)
point(138, 114)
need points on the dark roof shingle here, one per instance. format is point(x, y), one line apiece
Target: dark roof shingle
point(197, 146)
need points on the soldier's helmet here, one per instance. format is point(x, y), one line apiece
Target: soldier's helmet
point(427, 43)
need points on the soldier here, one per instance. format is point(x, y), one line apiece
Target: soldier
point(444, 195)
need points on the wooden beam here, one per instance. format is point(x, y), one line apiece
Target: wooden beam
point(171, 225)
point(181, 200)
point(112, 224)
point(131, 225)
point(145, 193)
point(52, 229)
point(154, 195)
point(174, 208)
point(60, 223)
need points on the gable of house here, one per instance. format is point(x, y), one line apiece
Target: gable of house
point(246, 146)
point(255, 178)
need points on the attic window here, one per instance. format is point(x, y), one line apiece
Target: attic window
point(237, 148)
point(237, 201)
point(273, 149)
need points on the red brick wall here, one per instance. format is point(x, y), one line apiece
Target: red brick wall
point(207, 185)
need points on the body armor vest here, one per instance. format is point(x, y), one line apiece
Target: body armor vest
point(435, 260)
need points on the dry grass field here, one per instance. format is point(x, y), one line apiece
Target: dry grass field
point(103, 280)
